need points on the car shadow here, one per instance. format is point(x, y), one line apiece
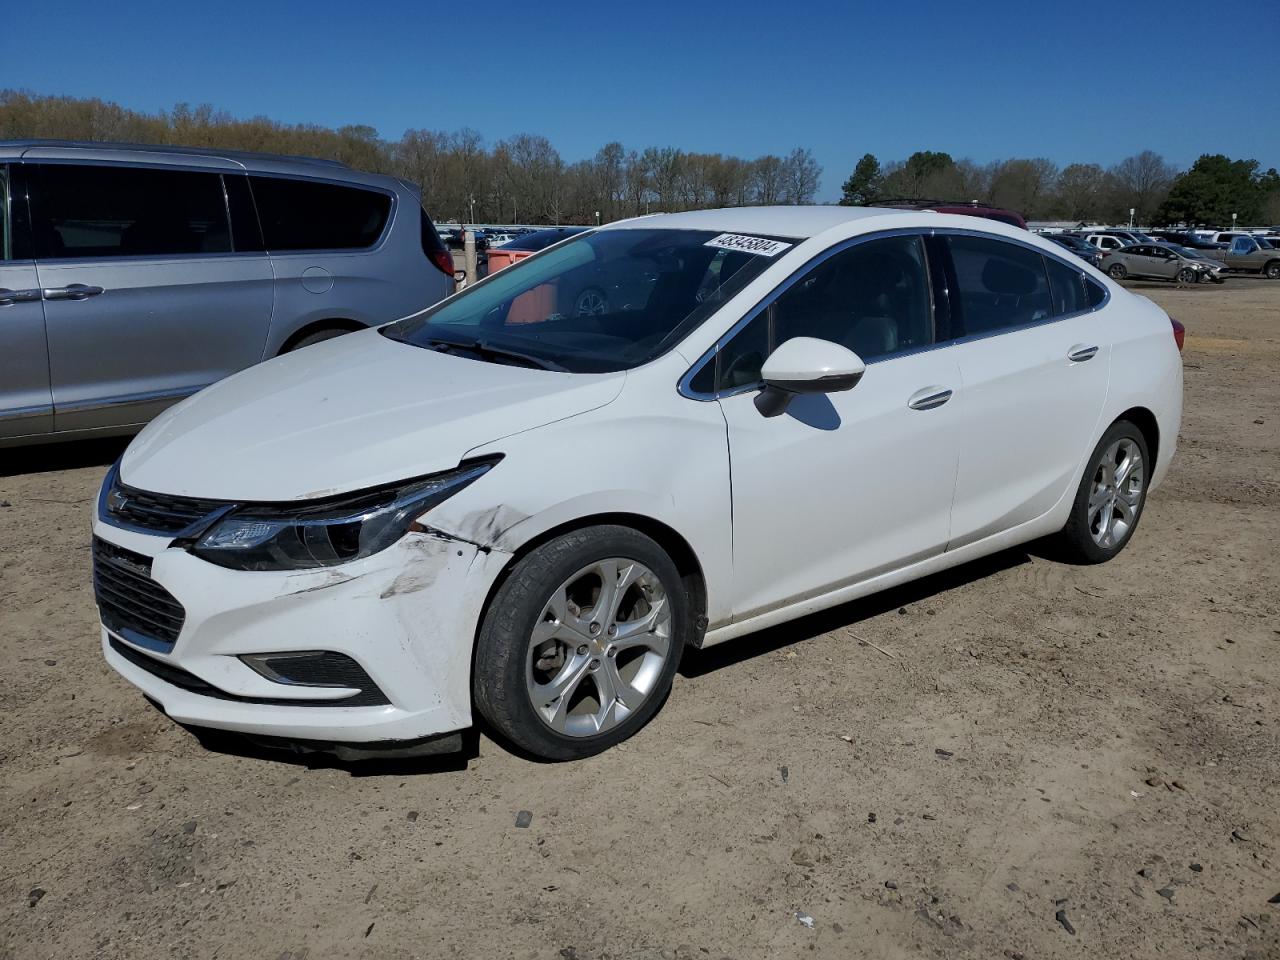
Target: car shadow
point(72, 455)
point(697, 663)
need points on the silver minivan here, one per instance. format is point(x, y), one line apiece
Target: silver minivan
point(133, 276)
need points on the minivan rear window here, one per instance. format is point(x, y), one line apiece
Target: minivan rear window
point(312, 215)
point(83, 210)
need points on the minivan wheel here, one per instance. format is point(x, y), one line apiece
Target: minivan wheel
point(1112, 493)
point(1117, 271)
point(318, 336)
point(580, 643)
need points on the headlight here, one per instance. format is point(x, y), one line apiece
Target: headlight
point(321, 533)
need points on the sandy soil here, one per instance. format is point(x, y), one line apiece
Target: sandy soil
point(1037, 745)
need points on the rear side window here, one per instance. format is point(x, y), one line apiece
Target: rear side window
point(310, 215)
point(1066, 285)
point(80, 210)
point(1000, 285)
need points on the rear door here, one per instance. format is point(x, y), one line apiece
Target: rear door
point(1033, 354)
point(147, 298)
point(26, 403)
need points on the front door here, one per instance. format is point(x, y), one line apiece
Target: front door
point(146, 298)
point(842, 486)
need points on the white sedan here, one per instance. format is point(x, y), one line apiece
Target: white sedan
point(504, 507)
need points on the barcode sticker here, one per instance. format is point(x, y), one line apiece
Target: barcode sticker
point(745, 244)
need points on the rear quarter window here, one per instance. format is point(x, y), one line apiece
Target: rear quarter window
point(312, 215)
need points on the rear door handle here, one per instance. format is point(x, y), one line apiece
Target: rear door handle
point(18, 296)
point(1082, 352)
point(72, 291)
point(929, 398)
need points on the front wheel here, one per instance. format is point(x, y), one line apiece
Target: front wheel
point(1186, 275)
point(1110, 499)
point(1117, 271)
point(580, 643)
point(1272, 270)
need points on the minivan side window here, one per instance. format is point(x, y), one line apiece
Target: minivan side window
point(872, 297)
point(81, 210)
point(311, 215)
point(998, 285)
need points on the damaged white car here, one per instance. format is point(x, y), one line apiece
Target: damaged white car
point(524, 503)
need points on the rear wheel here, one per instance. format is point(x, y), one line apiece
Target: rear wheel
point(580, 643)
point(1111, 496)
point(1117, 271)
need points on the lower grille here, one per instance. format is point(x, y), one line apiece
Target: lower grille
point(369, 695)
point(130, 602)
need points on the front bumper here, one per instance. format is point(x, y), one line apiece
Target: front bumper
point(406, 615)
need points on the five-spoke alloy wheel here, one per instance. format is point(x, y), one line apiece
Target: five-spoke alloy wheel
point(580, 642)
point(1111, 496)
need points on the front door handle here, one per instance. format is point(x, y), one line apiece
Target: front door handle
point(18, 296)
point(1082, 352)
point(929, 398)
point(72, 291)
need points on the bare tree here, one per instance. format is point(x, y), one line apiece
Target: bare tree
point(1142, 182)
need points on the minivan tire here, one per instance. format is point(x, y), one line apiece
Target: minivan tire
point(1077, 542)
point(318, 336)
point(507, 661)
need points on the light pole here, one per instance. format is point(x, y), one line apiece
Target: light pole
point(597, 218)
point(473, 207)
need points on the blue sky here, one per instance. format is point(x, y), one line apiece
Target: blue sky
point(1089, 80)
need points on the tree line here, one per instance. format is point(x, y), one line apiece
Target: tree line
point(521, 179)
point(1214, 188)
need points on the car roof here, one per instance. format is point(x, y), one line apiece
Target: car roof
point(794, 222)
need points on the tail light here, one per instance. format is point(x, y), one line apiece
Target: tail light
point(443, 260)
point(1179, 333)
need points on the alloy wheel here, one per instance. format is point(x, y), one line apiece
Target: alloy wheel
point(1116, 493)
point(591, 303)
point(599, 647)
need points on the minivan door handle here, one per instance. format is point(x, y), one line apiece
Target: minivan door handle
point(72, 291)
point(18, 296)
point(1082, 352)
point(929, 398)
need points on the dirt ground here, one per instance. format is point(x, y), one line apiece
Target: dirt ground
point(1026, 760)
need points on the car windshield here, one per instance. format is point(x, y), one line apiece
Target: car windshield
point(1069, 241)
point(607, 300)
point(541, 239)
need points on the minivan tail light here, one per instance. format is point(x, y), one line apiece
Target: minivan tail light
point(443, 260)
point(1179, 333)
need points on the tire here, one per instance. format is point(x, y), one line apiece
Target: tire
point(319, 336)
point(1117, 271)
point(1101, 499)
point(591, 302)
point(546, 658)
point(1272, 270)
point(1186, 275)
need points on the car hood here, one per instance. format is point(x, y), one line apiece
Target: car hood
point(345, 414)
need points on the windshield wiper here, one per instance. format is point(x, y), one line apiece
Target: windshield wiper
point(489, 351)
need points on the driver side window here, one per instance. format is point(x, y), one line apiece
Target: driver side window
point(872, 298)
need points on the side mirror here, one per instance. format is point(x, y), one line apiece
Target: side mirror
point(806, 365)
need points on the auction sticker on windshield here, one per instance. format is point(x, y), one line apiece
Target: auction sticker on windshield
point(757, 245)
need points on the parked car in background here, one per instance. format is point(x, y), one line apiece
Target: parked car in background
point(1106, 242)
point(968, 208)
point(1128, 236)
point(1156, 261)
point(1183, 239)
point(1077, 245)
point(1217, 270)
point(1224, 237)
point(1250, 255)
point(133, 276)
point(500, 510)
point(527, 245)
point(500, 239)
